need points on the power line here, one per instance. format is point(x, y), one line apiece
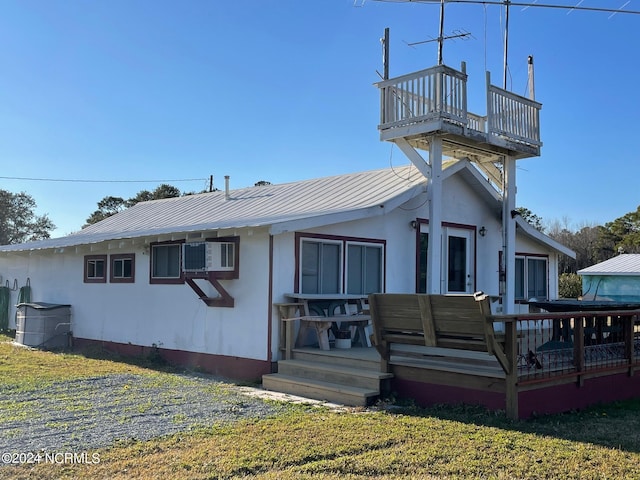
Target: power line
point(77, 180)
point(522, 4)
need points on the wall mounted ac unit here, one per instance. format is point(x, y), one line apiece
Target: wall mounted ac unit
point(208, 257)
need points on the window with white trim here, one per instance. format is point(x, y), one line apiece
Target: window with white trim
point(531, 274)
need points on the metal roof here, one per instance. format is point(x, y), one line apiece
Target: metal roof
point(283, 207)
point(280, 208)
point(624, 264)
point(533, 233)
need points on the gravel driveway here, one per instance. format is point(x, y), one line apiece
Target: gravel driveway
point(89, 413)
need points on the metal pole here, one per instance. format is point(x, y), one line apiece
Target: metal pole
point(506, 43)
point(385, 55)
point(441, 34)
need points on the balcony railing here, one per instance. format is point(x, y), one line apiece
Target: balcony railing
point(437, 92)
point(512, 116)
point(440, 94)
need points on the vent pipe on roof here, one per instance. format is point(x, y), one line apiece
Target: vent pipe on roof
point(226, 187)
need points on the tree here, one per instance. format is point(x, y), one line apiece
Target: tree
point(109, 206)
point(531, 218)
point(106, 207)
point(261, 183)
point(18, 223)
point(623, 234)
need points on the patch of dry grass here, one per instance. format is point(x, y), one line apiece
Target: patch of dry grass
point(318, 444)
point(314, 443)
point(26, 367)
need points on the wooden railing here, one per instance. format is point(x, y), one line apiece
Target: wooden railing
point(433, 93)
point(512, 116)
point(547, 346)
point(440, 93)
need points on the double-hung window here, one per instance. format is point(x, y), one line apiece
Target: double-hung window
point(165, 263)
point(320, 267)
point(364, 269)
point(531, 274)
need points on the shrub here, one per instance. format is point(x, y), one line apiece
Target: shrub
point(569, 285)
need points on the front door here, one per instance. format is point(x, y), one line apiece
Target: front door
point(458, 268)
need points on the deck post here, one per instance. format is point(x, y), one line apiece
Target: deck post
point(628, 322)
point(434, 193)
point(578, 347)
point(511, 378)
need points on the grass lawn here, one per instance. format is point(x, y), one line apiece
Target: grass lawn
point(310, 442)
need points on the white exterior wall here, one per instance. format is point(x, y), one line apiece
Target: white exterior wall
point(173, 317)
point(463, 207)
point(170, 316)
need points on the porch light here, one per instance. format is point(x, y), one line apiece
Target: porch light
point(482, 231)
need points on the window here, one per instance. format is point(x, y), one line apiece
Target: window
point(123, 268)
point(95, 269)
point(364, 269)
point(320, 267)
point(341, 265)
point(531, 278)
point(227, 255)
point(421, 279)
point(165, 263)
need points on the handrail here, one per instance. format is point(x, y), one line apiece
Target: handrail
point(433, 92)
point(512, 115)
point(547, 346)
point(440, 94)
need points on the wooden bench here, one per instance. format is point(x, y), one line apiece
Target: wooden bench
point(457, 323)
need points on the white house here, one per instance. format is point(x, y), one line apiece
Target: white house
point(144, 277)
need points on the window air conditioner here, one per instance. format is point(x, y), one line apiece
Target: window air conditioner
point(208, 257)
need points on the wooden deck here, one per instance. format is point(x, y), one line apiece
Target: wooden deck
point(561, 362)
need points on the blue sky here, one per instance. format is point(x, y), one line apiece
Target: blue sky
point(283, 90)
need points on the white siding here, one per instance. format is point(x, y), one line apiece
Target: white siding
point(170, 316)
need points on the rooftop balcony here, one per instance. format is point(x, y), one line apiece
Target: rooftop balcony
point(434, 102)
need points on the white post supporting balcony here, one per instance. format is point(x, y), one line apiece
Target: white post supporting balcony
point(434, 246)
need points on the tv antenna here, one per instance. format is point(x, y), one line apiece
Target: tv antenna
point(506, 4)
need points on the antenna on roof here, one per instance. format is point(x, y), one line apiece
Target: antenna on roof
point(507, 4)
point(441, 37)
point(456, 34)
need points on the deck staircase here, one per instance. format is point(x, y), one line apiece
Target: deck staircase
point(348, 377)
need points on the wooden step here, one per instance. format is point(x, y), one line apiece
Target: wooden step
point(319, 390)
point(365, 358)
point(333, 373)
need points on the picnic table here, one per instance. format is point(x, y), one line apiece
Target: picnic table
point(324, 312)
